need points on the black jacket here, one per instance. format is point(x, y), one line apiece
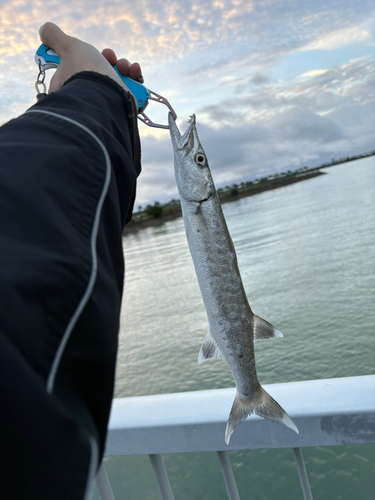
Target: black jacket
point(68, 170)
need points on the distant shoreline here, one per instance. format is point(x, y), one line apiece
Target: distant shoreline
point(230, 194)
point(134, 227)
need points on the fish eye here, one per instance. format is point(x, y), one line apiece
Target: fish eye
point(200, 159)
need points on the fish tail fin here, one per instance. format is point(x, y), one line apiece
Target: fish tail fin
point(264, 406)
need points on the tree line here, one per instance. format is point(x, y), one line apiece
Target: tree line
point(158, 210)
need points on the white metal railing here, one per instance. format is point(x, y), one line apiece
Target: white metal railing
point(327, 412)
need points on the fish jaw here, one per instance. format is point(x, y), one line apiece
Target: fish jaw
point(193, 176)
point(178, 140)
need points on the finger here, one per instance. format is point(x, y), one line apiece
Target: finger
point(123, 65)
point(110, 55)
point(52, 36)
point(135, 72)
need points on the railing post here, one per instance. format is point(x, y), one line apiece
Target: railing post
point(164, 486)
point(302, 474)
point(103, 484)
point(229, 479)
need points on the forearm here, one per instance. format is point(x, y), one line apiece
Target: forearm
point(68, 170)
point(67, 185)
point(98, 103)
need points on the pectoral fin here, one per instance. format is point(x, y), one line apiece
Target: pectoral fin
point(264, 330)
point(209, 349)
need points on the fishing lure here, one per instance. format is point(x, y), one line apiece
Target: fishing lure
point(47, 58)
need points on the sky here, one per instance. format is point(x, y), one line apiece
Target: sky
point(275, 84)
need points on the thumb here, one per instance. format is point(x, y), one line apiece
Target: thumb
point(52, 36)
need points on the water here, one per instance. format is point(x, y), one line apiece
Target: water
point(307, 258)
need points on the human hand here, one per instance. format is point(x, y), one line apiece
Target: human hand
point(76, 55)
point(132, 70)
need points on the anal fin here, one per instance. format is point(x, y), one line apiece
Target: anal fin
point(264, 330)
point(209, 349)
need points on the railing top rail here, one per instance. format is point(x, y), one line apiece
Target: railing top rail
point(327, 412)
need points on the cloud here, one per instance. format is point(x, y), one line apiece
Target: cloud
point(322, 92)
point(339, 38)
point(220, 59)
point(314, 72)
point(259, 79)
point(301, 125)
point(278, 127)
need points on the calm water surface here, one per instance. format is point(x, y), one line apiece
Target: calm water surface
point(306, 254)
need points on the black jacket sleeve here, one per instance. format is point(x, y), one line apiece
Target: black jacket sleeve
point(101, 105)
point(68, 170)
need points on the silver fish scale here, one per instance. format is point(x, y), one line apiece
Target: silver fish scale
point(233, 326)
point(228, 311)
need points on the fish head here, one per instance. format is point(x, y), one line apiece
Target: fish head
point(193, 176)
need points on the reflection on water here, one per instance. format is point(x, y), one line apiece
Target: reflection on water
point(307, 258)
point(306, 254)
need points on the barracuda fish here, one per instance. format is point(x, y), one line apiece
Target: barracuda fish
point(233, 326)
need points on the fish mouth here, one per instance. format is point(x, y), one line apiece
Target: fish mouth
point(178, 140)
point(206, 199)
